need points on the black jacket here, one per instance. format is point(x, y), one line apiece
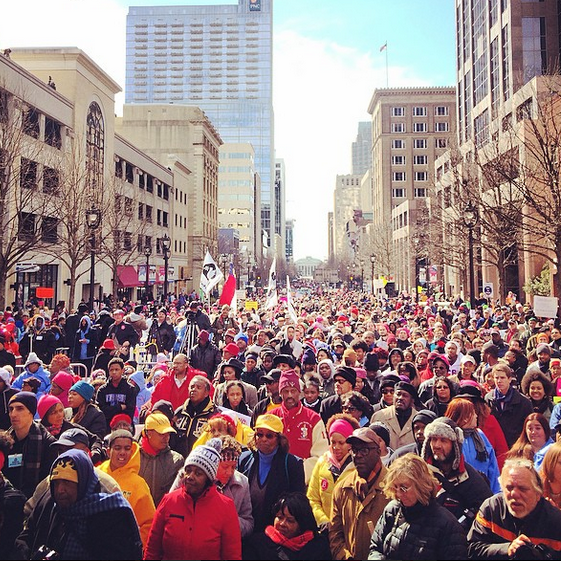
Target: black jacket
point(512, 417)
point(330, 406)
point(205, 358)
point(110, 398)
point(286, 475)
point(112, 535)
point(5, 396)
point(418, 533)
point(162, 335)
point(93, 420)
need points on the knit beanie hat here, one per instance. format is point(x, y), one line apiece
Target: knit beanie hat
point(382, 430)
point(544, 348)
point(206, 457)
point(63, 379)
point(5, 377)
point(348, 373)
point(85, 390)
point(46, 402)
point(424, 416)
point(28, 399)
point(308, 357)
point(371, 361)
point(289, 378)
point(447, 429)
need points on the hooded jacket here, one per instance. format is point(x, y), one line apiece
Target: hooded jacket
point(40, 374)
point(88, 349)
point(143, 395)
point(135, 490)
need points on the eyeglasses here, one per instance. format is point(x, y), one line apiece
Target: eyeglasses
point(349, 408)
point(340, 381)
point(362, 451)
point(402, 488)
point(265, 435)
point(387, 391)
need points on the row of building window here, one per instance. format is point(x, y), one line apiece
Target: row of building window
point(400, 160)
point(420, 111)
point(401, 176)
point(420, 127)
point(400, 193)
point(421, 144)
point(126, 171)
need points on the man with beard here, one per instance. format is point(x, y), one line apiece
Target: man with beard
point(399, 416)
point(358, 500)
point(518, 523)
point(304, 428)
point(463, 488)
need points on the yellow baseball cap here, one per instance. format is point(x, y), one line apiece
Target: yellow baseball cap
point(271, 422)
point(159, 422)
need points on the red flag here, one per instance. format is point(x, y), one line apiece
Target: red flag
point(229, 289)
point(382, 48)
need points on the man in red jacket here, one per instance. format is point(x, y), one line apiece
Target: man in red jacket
point(174, 387)
point(304, 428)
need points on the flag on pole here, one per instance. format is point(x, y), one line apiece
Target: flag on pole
point(210, 275)
point(290, 307)
point(228, 295)
point(271, 301)
point(383, 47)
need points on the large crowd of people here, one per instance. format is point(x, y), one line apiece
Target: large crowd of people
point(336, 426)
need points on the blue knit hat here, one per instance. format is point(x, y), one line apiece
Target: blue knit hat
point(85, 390)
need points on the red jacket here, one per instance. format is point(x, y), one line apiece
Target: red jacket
point(205, 530)
point(306, 433)
point(167, 389)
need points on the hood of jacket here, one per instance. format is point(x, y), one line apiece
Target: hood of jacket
point(132, 467)
point(138, 378)
point(88, 323)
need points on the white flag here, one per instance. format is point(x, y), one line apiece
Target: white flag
point(210, 275)
point(271, 300)
point(290, 307)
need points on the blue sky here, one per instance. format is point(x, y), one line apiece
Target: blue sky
point(326, 63)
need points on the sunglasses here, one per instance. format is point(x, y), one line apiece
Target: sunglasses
point(387, 391)
point(442, 387)
point(402, 488)
point(340, 381)
point(265, 435)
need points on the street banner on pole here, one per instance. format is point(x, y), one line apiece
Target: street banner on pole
point(211, 275)
point(271, 301)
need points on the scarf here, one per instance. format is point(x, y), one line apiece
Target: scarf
point(147, 447)
point(54, 430)
point(294, 544)
point(502, 399)
point(542, 405)
point(481, 453)
point(335, 467)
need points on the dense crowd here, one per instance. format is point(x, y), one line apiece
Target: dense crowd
point(337, 426)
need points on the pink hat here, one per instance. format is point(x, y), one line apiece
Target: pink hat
point(289, 379)
point(64, 380)
point(343, 427)
point(46, 402)
point(361, 373)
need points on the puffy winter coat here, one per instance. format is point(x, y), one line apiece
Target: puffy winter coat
point(160, 471)
point(135, 490)
point(421, 532)
point(207, 529)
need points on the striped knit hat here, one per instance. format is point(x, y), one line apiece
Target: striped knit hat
point(206, 457)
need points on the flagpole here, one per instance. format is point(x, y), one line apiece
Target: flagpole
point(386, 57)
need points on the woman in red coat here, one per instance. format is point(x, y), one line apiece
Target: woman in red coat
point(196, 521)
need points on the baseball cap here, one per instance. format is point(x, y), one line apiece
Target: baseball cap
point(269, 421)
point(364, 434)
point(273, 376)
point(159, 423)
point(72, 437)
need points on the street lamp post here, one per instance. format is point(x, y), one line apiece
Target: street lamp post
point(373, 273)
point(93, 217)
point(470, 219)
point(147, 252)
point(417, 273)
point(362, 262)
point(249, 264)
point(165, 242)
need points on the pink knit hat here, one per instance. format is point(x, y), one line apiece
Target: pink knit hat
point(46, 402)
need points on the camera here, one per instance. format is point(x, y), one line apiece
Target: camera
point(45, 553)
point(530, 551)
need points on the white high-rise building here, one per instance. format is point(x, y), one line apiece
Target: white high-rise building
point(219, 58)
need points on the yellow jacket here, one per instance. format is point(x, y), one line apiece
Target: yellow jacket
point(135, 489)
point(321, 488)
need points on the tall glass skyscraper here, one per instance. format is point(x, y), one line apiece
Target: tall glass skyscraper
point(218, 58)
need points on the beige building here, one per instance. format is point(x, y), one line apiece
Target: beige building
point(180, 133)
point(411, 128)
point(347, 201)
point(236, 199)
point(508, 83)
point(65, 160)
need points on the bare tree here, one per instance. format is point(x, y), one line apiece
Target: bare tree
point(125, 234)
point(73, 247)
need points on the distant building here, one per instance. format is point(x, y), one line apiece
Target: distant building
point(307, 266)
point(361, 154)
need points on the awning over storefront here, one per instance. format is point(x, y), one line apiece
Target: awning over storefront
point(127, 276)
